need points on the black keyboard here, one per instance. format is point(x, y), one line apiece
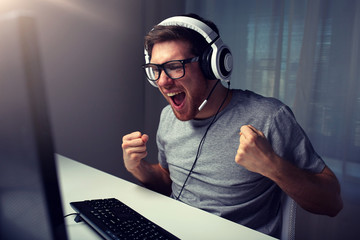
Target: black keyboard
point(114, 220)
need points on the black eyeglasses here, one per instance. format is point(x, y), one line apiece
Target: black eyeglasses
point(174, 69)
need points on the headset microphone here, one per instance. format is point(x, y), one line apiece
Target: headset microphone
point(206, 100)
point(202, 105)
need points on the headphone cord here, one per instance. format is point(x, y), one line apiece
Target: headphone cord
point(202, 141)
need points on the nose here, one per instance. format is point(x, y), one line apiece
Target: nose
point(164, 80)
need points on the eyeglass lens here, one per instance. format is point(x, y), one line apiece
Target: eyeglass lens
point(173, 69)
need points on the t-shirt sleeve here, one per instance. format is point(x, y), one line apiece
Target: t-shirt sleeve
point(290, 141)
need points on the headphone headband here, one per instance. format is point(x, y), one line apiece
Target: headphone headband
point(216, 62)
point(191, 23)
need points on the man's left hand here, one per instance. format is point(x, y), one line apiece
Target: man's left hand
point(255, 152)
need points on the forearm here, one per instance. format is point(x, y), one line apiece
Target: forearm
point(153, 176)
point(316, 193)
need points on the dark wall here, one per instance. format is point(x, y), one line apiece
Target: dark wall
point(92, 52)
point(92, 56)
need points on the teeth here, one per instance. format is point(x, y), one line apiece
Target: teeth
point(172, 94)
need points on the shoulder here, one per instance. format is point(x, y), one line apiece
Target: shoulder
point(262, 112)
point(256, 104)
point(254, 98)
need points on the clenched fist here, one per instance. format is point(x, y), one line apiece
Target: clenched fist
point(134, 149)
point(255, 153)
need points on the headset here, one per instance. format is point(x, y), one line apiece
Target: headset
point(216, 61)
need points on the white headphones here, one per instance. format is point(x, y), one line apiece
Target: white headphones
point(217, 61)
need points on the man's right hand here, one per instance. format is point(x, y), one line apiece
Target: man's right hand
point(134, 149)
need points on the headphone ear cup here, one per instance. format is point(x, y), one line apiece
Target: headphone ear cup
point(225, 62)
point(205, 64)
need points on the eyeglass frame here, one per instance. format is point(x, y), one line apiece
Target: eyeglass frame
point(161, 67)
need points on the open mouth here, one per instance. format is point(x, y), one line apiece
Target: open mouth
point(177, 98)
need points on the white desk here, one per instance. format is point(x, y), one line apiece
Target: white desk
point(81, 182)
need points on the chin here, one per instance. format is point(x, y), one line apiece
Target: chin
point(183, 116)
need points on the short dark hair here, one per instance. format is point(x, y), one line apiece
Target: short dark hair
point(168, 33)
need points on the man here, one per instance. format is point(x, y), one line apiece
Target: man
point(203, 161)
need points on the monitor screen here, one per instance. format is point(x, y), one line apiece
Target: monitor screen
point(30, 203)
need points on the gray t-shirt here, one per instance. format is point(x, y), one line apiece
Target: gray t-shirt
point(218, 184)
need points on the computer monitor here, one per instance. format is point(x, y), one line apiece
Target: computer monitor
point(30, 203)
